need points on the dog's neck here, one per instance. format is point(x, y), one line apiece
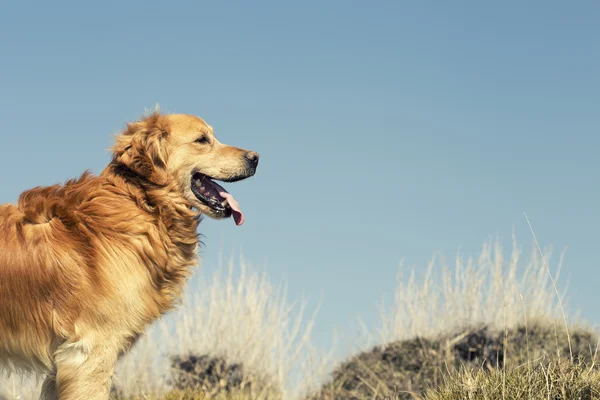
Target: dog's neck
point(150, 196)
point(165, 202)
point(128, 176)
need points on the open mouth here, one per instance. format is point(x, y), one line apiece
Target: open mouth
point(212, 195)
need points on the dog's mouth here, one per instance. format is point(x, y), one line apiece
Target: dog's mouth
point(212, 195)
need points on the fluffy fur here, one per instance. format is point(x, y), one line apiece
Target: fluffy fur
point(86, 266)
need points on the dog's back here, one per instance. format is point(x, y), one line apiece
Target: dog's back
point(40, 271)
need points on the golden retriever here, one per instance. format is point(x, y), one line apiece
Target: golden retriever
point(85, 267)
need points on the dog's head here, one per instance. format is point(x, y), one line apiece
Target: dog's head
point(182, 149)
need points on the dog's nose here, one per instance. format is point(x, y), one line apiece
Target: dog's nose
point(252, 158)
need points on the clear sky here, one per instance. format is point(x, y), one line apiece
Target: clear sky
point(387, 129)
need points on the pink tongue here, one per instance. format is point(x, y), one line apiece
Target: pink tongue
point(238, 217)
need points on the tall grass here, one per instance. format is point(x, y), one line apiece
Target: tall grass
point(489, 289)
point(478, 301)
point(237, 314)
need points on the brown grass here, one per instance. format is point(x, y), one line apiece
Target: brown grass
point(407, 369)
point(559, 379)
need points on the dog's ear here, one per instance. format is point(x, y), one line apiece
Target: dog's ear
point(142, 148)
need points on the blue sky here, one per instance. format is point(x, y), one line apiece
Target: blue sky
point(386, 129)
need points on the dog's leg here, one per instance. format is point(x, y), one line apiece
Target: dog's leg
point(84, 370)
point(49, 389)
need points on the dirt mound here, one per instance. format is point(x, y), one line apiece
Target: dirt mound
point(402, 370)
point(215, 376)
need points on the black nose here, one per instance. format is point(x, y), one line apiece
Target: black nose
point(252, 158)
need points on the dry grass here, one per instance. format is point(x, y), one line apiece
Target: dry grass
point(557, 380)
point(504, 310)
point(194, 394)
point(240, 315)
point(490, 290)
point(408, 368)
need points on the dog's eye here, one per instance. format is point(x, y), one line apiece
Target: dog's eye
point(202, 140)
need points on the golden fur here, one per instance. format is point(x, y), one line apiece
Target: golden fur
point(86, 266)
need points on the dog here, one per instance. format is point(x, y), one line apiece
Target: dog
point(86, 266)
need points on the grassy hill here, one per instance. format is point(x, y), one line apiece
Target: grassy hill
point(408, 369)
